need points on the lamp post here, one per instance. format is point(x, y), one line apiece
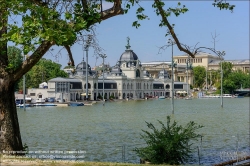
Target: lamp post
point(189, 66)
point(103, 56)
point(24, 102)
point(86, 48)
point(221, 54)
point(172, 79)
point(187, 76)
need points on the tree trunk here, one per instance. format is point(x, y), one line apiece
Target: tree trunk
point(10, 137)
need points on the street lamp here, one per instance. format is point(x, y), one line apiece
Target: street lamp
point(103, 56)
point(24, 101)
point(86, 48)
point(189, 66)
point(172, 80)
point(221, 54)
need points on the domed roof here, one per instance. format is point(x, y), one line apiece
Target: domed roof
point(128, 55)
point(82, 66)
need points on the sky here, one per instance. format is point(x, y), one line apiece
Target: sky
point(194, 27)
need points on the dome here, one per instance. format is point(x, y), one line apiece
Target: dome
point(128, 55)
point(116, 70)
point(81, 68)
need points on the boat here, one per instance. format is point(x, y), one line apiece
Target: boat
point(227, 96)
point(74, 104)
point(26, 105)
point(19, 101)
point(188, 98)
point(40, 100)
point(44, 104)
point(238, 96)
point(161, 97)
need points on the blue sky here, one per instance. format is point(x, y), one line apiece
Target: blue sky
point(195, 26)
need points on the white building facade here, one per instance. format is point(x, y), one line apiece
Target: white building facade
point(127, 79)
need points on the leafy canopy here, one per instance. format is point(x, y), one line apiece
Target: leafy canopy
point(58, 22)
point(43, 71)
point(14, 57)
point(199, 76)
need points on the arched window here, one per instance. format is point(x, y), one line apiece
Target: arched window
point(128, 86)
point(137, 73)
point(89, 86)
point(144, 86)
point(167, 86)
point(131, 86)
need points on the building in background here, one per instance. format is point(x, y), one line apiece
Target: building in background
point(128, 78)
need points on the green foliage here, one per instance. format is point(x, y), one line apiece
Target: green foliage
point(235, 80)
point(26, 148)
point(111, 96)
point(14, 57)
point(222, 4)
point(169, 145)
point(47, 22)
point(199, 76)
point(15, 60)
point(43, 71)
point(99, 96)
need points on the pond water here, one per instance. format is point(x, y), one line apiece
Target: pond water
point(111, 132)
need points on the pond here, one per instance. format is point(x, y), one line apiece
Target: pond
point(111, 132)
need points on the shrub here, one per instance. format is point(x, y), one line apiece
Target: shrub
point(170, 145)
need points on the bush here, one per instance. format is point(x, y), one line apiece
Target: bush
point(170, 145)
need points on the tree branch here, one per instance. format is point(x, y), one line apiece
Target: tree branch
point(32, 60)
point(114, 11)
point(171, 30)
point(70, 55)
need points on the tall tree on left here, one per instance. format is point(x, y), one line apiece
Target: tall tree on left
point(35, 26)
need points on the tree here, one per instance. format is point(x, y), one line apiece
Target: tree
point(199, 76)
point(43, 24)
point(227, 68)
point(43, 71)
point(14, 56)
point(15, 59)
point(169, 145)
point(48, 23)
point(235, 80)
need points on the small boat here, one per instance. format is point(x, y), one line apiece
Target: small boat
point(238, 96)
point(75, 104)
point(44, 104)
point(161, 97)
point(40, 100)
point(26, 105)
point(227, 96)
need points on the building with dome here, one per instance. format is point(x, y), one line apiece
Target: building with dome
point(126, 79)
